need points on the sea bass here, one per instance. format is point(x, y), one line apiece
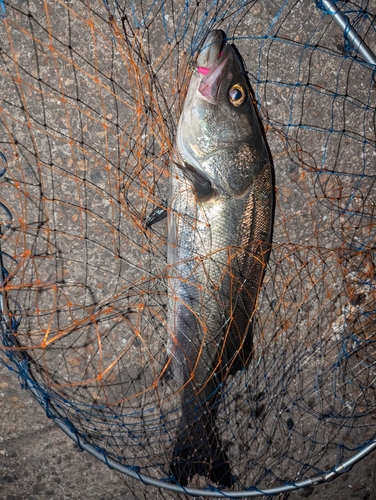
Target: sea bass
point(219, 231)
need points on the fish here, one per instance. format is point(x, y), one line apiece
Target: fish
point(219, 230)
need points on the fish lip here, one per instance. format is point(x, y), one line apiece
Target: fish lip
point(214, 62)
point(211, 49)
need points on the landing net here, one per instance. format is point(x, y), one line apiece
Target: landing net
point(91, 95)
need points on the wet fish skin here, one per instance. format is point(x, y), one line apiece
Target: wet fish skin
point(219, 232)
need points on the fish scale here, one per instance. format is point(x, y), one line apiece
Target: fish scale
point(219, 232)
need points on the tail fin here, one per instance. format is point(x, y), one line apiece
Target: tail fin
point(198, 450)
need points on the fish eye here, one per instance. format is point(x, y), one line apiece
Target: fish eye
point(237, 94)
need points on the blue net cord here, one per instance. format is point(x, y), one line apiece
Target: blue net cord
point(2, 10)
point(6, 319)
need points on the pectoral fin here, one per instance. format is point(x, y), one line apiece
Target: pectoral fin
point(158, 214)
point(201, 184)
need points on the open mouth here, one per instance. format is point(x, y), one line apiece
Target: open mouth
point(211, 64)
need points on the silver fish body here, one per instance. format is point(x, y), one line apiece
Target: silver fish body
point(219, 231)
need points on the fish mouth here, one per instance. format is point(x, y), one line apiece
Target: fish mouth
point(211, 65)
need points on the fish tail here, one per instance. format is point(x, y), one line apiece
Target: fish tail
point(198, 450)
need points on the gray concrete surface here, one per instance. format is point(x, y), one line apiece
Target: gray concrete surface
point(37, 460)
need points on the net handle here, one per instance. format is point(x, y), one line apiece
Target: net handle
point(349, 32)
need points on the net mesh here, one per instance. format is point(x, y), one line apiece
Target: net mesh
point(91, 96)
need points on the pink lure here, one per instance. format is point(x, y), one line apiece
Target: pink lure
point(203, 70)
